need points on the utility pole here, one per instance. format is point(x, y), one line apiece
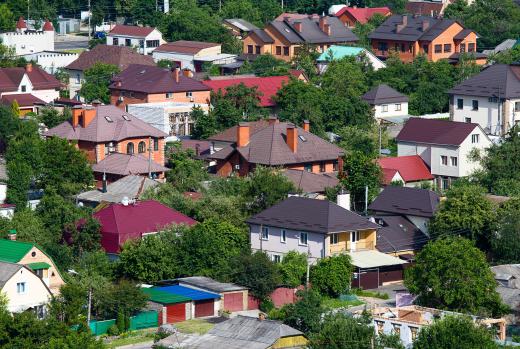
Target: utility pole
point(89, 15)
point(89, 303)
point(150, 157)
point(366, 199)
point(380, 139)
point(28, 1)
point(282, 4)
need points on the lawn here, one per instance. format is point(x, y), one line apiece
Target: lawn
point(194, 326)
point(334, 303)
point(364, 293)
point(133, 337)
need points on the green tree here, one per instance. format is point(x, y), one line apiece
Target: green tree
point(18, 184)
point(257, 272)
point(453, 274)
point(9, 124)
point(339, 331)
point(505, 243)
point(361, 171)
point(244, 9)
point(331, 276)
point(51, 117)
point(293, 269)
point(365, 140)
point(225, 113)
point(15, 108)
point(268, 65)
point(205, 123)
point(306, 314)
point(7, 19)
point(454, 332)
point(305, 59)
point(97, 80)
point(187, 172)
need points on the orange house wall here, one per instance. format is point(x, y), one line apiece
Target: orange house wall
point(279, 41)
point(89, 149)
point(252, 39)
point(224, 168)
point(157, 156)
point(348, 19)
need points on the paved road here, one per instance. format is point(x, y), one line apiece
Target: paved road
point(70, 45)
point(145, 345)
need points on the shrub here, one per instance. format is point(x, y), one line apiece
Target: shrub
point(332, 275)
point(266, 305)
point(113, 330)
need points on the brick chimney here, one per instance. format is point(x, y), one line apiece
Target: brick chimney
point(322, 22)
point(76, 115)
point(306, 126)
point(187, 73)
point(298, 26)
point(176, 73)
point(242, 134)
point(425, 25)
point(403, 24)
point(89, 113)
point(326, 29)
point(273, 120)
point(292, 137)
point(28, 67)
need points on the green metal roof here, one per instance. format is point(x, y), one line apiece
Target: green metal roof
point(13, 251)
point(164, 297)
point(338, 52)
point(39, 265)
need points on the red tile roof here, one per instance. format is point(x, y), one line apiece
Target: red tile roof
point(411, 168)
point(48, 27)
point(267, 86)
point(125, 164)
point(10, 79)
point(121, 56)
point(131, 30)
point(434, 131)
point(23, 99)
point(120, 223)
point(362, 15)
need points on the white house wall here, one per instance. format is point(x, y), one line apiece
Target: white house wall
point(379, 113)
point(36, 293)
point(186, 61)
point(51, 61)
point(135, 41)
point(29, 42)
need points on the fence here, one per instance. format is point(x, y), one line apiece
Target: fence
point(142, 320)
point(279, 297)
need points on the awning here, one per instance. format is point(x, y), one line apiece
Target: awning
point(162, 297)
point(39, 265)
point(373, 259)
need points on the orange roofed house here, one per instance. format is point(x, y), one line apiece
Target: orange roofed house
point(116, 143)
point(283, 38)
point(241, 148)
point(410, 36)
point(350, 16)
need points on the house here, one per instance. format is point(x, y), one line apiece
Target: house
point(116, 143)
point(242, 332)
point(507, 277)
point(407, 322)
point(350, 16)
point(410, 36)
point(416, 205)
point(24, 290)
point(275, 144)
point(311, 184)
point(193, 55)
point(505, 45)
point(320, 229)
point(144, 39)
point(120, 56)
point(33, 257)
point(146, 84)
point(490, 99)
point(410, 170)
point(238, 27)
point(427, 7)
point(335, 52)
point(283, 38)
point(445, 146)
point(386, 102)
point(24, 40)
point(132, 219)
point(27, 103)
point(130, 187)
point(29, 85)
point(399, 237)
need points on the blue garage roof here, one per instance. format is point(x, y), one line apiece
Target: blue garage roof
point(195, 295)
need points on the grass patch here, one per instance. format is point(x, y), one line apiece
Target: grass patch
point(333, 303)
point(364, 293)
point(194, 326)
point(75, 50)
point(134, 337)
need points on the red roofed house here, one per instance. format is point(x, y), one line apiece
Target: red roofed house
point(115, 142)
point(145, 39)
point(134, 220)
point(411, 170)
point(352, 15)
point(31, 87)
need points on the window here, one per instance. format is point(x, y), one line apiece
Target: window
point(189, 94)
point(384, 108)
point(20, 287)
point(383, 46)
point(460, 103)
point(283, 236)
point(141, 43)
point(169, 95)
point(474, 138)
point(414, 331)
point(444, 160)
point(462, 48)
point(438, 48)
point(454, 161)
point(493, 99)
point(277, 258)
point(403, 48)
point(397, 328)
point(33, 254)
point(334, 239)
point(278, 50)
point(128, 42)
point(152, 43)
point(24, 88)
point(445, 183)
point(141, 148)
point(250, 49)
point(78, 79)
point(307, 167)
point(467, 120)
point(335, 166)
point(257, 49)
point(265, 233)
point(474, 104)
point(396, 47)
point(517, 106)
point(425, 49)
point(156, 144)
point(398, 107)
point(447, 48)
point(471, 47)
point(286, 51)
point(303, 238)
point(115, 41)
point(354, 236)
point(39, 273)
point(322, 167)
point(130, 148)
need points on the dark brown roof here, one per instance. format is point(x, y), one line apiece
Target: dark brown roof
point(23, 99)
point(110, 124)
point(120, 56)
point(150, 79)
point(185, 46)
point(406, 201)
point(262, 35)
point(230, 135)
point(433, 131)
point(269, 147)
point(310, 182)
point(497, 80)
point(398, 234)
point(131, 30)
point(125, 164)
point(320, 216)
point(10, 79)
point(424, 8)
point(383, 94)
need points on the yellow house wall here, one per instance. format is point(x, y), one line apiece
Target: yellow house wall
point(55, 280)
point(367, 240)
point(290, 342)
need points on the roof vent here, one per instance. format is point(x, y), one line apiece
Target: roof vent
point(125, 201)
point(108, 119)
point(126, 117)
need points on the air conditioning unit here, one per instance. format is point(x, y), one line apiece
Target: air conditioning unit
point(121, 99)
point(237, 167)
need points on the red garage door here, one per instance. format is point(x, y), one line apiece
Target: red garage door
point(233, 301)
point(176, 313)
point(204, 308)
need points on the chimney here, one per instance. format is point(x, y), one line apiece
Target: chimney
point(89, 113)
point(402, 25)
point(273, 120)
point(286, 18)
point(306, 126)
point(326, 29)
point(261, 316)
point(76, 115)
point(298, 26)
point(104, 183)
point(28, 67)
point(12, 234)
point(96, 103)
point(187, 73)
point(242, 134)
point(405, 19)
point(197, 149)
point(322, 22)
point(425, 25)
point(176, 73)
point(343, 199)
point(292, 137)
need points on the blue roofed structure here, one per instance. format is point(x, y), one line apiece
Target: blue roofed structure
point(191, 293)
point(337, 52)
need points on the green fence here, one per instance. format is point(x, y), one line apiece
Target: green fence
point(142, 320)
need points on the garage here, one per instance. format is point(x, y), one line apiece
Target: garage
point(175, 313)
point(175, 305)
point(233, 301)
point(205, 308)
point(203, 303)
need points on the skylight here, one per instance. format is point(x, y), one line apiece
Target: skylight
point(108, 119)
point(302, 138)
point(126, 117)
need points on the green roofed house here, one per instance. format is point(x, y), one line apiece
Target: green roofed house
point(336, 52)
point(34, 258)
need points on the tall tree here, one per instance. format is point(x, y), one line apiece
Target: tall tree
point(361, 172)
point(97, 80)
point(257, 272)
point(293, 268)
point(205, 123)
point(331, 276)
point(306, 314)
point(187, 172)
point(505, 243)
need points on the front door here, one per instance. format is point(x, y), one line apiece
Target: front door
point(354, 237)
